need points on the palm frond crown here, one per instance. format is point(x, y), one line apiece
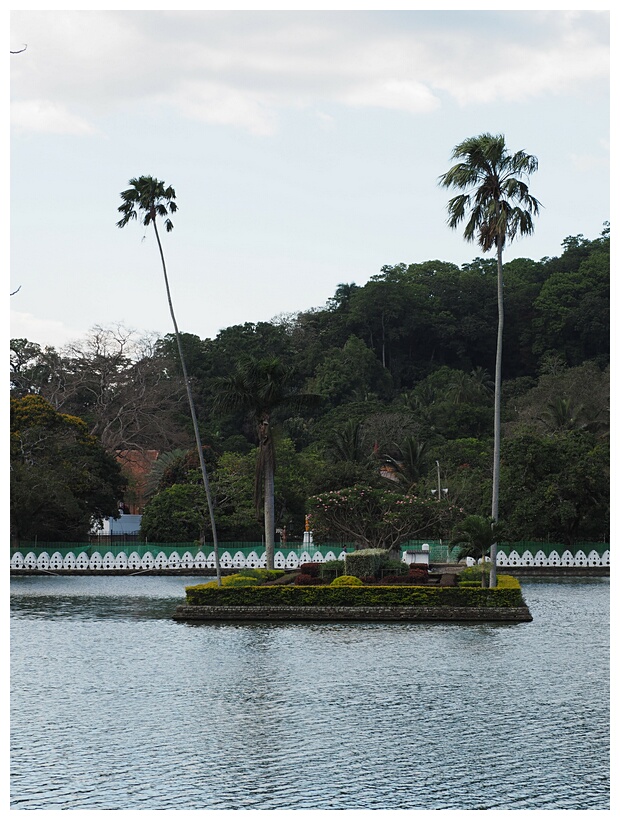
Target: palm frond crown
point(146, 199)
point(495, 204)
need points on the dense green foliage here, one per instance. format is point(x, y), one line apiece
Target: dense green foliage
point(403, 369)
point(507, 594)
point(178, 513)
point(62, 480)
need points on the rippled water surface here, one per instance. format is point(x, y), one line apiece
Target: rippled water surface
point(116, 706)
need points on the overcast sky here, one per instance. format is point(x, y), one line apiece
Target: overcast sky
point(304, 148)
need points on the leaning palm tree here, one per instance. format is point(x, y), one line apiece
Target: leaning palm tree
point(496, 206)
point(145, 200)
point(475, 537)
point(258, 387)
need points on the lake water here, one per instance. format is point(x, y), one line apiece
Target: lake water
point(116, 706)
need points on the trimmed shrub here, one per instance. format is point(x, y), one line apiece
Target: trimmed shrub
point(413, 577)
point(236, 580)
point(310, 568)
point(262, 574)
point(239, 581)
point(331, 569)
point(369, 579)
point(365, 562)
point(347, 581)
point(286, 578)
point(393, 567)
point(405, 579)
point(418, 574)
point(304, 579)
point(507, 582)
point(507, 594)
point(474, 573)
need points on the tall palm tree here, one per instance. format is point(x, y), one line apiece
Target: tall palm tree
point(147, 199)
point(475, 537)
point(258, 387)
point(496, 206)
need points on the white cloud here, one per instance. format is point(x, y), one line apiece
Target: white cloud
point(221, 104)
point(244, 68)
point(400, 95)
point(531, 54)
point(46, 332)
point(586, 163)
point(48, 117)
point(326, 121)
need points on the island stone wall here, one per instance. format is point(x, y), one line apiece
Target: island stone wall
point(351, 613)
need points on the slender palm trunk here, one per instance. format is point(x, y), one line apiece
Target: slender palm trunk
point(203, 467)
point(269, 515)
point(496, 412)
point(265, 481)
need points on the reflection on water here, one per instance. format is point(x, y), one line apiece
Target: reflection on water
point(116, 706)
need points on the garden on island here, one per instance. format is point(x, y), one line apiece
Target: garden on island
point(366, 578)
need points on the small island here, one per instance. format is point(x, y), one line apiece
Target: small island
point(368, 586)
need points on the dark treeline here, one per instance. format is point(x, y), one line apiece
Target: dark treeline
point(399, 373)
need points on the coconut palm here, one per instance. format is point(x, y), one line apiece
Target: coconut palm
point(475, 536)
point(497, 207)
point(562, 414)
point(410, 462)
point(482, 379)
point(147, 199)
point(469, 388)
point(347, 443)
point(258, 387)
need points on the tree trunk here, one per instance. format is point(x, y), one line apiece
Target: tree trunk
point(269, 515)
point(383, 339)
point(201, 458)
point(496, 412)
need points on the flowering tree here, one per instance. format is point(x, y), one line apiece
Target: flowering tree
point(376, 518)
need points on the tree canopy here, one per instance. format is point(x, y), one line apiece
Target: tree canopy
point(400, 391)
point(62, 480)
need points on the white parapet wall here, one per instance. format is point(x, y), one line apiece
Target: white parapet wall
point(145, 557)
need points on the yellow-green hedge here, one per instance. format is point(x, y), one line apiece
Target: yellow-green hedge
point(506, 594)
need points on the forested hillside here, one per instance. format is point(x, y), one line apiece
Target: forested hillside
point(389, 385)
